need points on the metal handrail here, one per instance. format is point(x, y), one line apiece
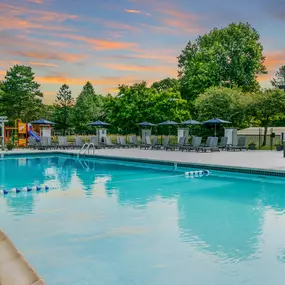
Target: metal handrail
point(88, 148)
point(83, 147)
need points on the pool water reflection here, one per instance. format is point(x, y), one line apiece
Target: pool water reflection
point(117, 223)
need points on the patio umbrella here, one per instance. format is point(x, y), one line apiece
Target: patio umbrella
point(99, 124)
point(146, 124)
point(216, 121)
point(42, 122)
point(191, 122)
point(167, 123)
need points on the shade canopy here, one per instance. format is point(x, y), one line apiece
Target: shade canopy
point(191, 122)
point(99, 124)
point(146, 124)
point(167, 123)
point(216, 121)
point(42, 122)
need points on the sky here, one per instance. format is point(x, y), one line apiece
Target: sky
point(115, 42)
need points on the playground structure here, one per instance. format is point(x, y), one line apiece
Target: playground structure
point(19, 133)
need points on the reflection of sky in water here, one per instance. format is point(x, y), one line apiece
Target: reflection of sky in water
point(124, 224)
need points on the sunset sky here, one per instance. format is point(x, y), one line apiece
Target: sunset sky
point(124, 41)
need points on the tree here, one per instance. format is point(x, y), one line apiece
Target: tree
point(21, 96)
point(137, 103)
point(88, 107)
point(63, 108)
point(229, 57)
point(279, 79)
point(225, 103)
point(166, 84)
point(268, 106)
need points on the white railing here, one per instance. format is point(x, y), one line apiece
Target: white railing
point(86, 148)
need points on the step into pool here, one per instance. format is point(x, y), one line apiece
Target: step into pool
point(110, 222)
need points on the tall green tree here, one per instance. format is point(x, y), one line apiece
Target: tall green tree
point(63, 108)
point(88, 107)
point(224, 103)
point(166, 84)
point(137, 103)
point(279, 79)
point(229, 57)
point(268, 106)
point(21, 96)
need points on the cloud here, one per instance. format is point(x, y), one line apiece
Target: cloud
point(20, 18)
point(99, 44)
point(183, 21)
point(36, 1)
point(132, 11)
point(43, 64)
point(143, 68)
point(32, 50)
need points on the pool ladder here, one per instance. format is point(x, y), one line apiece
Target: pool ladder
point(86, 148)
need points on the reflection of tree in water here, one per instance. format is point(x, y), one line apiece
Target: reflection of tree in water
point(225, 215)
point(65, 170)
point(21, 203)
point(22, 172)
point(86, 172)
point(145, 186)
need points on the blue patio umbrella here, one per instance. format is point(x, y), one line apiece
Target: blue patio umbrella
point(42, 122)
point(191, 122)
point(167, 123)
point(99, 124)
point(216, 121)
point(146, 124)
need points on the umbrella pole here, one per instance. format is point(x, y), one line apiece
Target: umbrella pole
point(215, 130)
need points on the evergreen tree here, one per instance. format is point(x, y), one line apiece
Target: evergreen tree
point(21, 96)
point(88, 107)
point(63, 108)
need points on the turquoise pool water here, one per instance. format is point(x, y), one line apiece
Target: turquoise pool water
point(111, 223)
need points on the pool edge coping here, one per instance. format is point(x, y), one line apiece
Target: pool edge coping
point(248, 170)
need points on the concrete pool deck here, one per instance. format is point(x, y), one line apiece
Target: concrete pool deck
point(263, 160)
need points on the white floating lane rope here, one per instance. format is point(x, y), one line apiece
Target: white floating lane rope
point(26, 189)
point(197, 173)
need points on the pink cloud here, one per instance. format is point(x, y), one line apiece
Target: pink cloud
point(99, 44)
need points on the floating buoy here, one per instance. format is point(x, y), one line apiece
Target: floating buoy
point(25, 189)
point(197, 173)
point(206, 172)
point(38, 188)
point(29, 189)
point(46, 187)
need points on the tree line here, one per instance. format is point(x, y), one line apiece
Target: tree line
point(217, 77)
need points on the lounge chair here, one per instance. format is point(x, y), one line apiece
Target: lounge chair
point(78, 142)
point(123, 142)
point(109, 143)
point(147, 144)
point(135, 141)
point(212, 146)
point(164, 145)
point(130, 141)
point(62, 142)
point(240, 145)
point(195, 144)
point(94, 140)
point(32, 143)
point(223, 143)
point(153, 142)
point(178, 146)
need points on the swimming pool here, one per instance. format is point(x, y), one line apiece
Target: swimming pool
point(119, 223)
